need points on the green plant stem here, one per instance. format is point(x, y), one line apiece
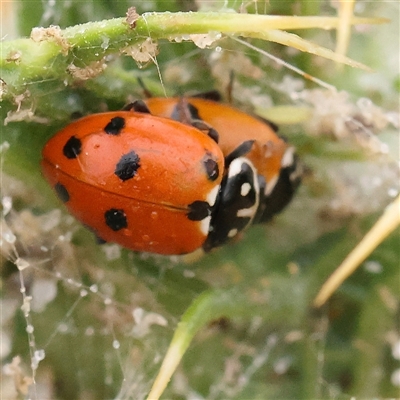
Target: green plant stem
point(23, 61)
point(209, 306)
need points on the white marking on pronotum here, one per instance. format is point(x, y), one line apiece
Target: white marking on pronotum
point(205, 225)
point(297, 173)
point(288, 161)
point(235, 166)
point(235, 169)
point(269, 187)
point(245, 189)
point(288, 158)
point(212, 195)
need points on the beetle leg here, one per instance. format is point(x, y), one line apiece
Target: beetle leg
point(240, 151)
point(138, 106)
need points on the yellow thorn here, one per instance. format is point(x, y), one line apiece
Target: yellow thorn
point(385, 225)
point(346, 8)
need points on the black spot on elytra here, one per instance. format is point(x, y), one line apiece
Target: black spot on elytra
point(62, 192)
point(198, 210)
point(211, 167)
point(116, 219)
point(115, 126)
point(127, 166)
point(72, 148)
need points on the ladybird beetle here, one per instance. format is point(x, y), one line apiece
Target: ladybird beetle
point(150, 183)
point(274, 160)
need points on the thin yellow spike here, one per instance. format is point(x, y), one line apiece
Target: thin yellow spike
point(385, 225)
point(346, 9)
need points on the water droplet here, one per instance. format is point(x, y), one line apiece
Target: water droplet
point(21, 263)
